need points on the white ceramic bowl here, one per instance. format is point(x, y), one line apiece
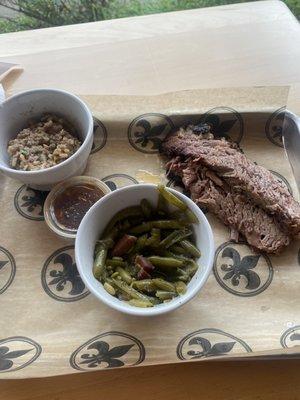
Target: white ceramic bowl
point(16, 111)
point(97, 218)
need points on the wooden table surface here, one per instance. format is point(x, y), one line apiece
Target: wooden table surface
point(237, 45)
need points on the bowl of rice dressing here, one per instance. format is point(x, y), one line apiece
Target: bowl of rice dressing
point(46, 137)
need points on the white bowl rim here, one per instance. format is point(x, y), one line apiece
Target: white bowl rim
point(165, 307)
point(4, 167)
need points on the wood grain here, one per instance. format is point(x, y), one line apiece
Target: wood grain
point(267, 380)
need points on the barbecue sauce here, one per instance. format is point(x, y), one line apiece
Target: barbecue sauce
point(71, 205)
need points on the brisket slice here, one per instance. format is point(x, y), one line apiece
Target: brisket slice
point(261, 230)
point(242, 174)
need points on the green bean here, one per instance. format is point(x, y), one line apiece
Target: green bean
point(177, 249)
point(112, 262)
point(139, 245)
point(178, 215)
point(190, 248)
point(104, 276)
point(163, 252)
point(183, 275)
point(146, 208)
point(141, 242)
point(171, 198)
point(153, 300)
point(191, 216)
point(177, 256)
point(134, 294)
point(165, 262)
point(136, 220)
point(125, 225)
point(191, 268)
point(164, 295)
point(169, 224)
point(142, 228)
point(111, 231)
point(123, 296)
point(183, 234)
point(167, 253)
point(180, 287)
point(140, 303)
point(109, 288)
point(109, 269)
point(132, 270)
point(161, 204)
point(186, 215)
point(99, 263)
point(145, 285)
point(104, 244)
point(168, 240)
point(133, 211)
point(163, 285)
point(107, 243)
point(124, 275)
point(154, 239)
point(174, 237)
point(160, 224)
point(156, 235)
point(158, 273)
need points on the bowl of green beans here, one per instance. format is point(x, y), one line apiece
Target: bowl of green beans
point(144, 249)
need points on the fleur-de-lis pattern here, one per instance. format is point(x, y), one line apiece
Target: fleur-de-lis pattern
point(116, 181)
point(240, 271)
point(207, 349)
point(7, 269)
point(30, 202)
point(100, 135)
point(60, 277)
point(225, 122)
point(240, 268)
point(274, 127)
point(110, 357)
point(7, 357)
point(146, 132)
point(17, 352)
point(291, 337)
point(209, 342)
point(108, 350)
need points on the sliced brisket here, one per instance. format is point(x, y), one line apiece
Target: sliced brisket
point(261, 230)
point(240, 173)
